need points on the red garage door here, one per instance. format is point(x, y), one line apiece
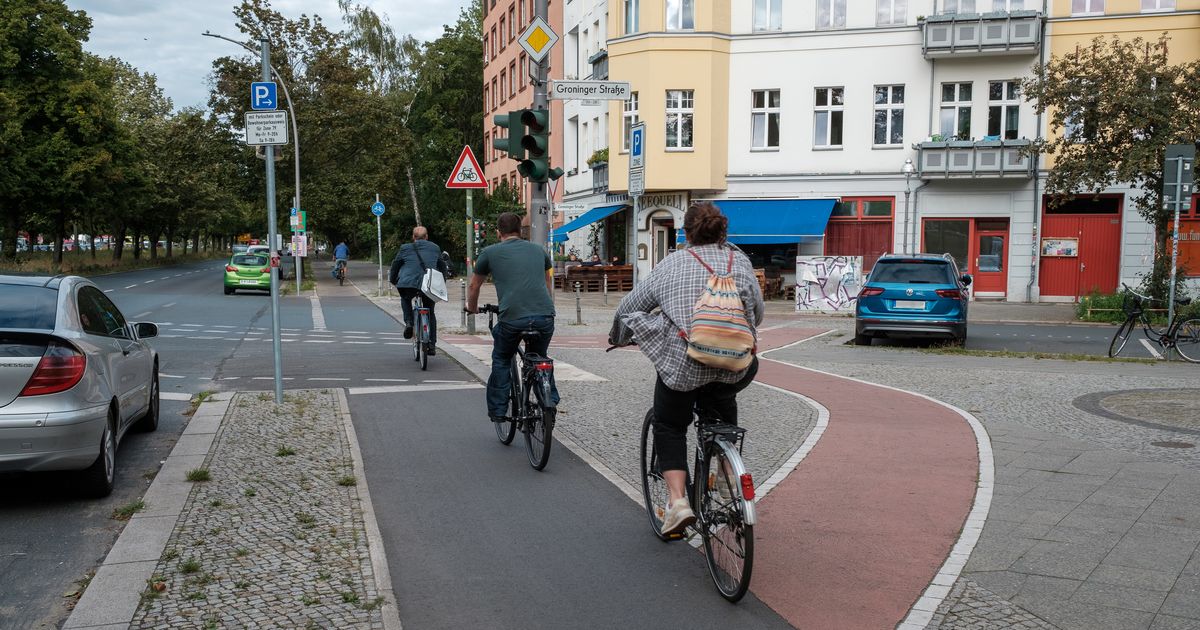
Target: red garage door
point(1081, 247)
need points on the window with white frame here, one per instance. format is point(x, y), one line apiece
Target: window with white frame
point(512, 79)
point(959, 6)
point(768, 15)
point(1151, 6)
point(1008, 5)
point(831, 13)
point(585, 147)
point(956, 111)
point(521, 10)
point(512, 23)
point(1087, 7)
point(629, 118)
point(889, 115)
point(631, 16)
point(764, 119)
point(890, 12)
point(681, 15)
point(1004, 109)
point(503, 38)
point(681, 108)
point(827, 116)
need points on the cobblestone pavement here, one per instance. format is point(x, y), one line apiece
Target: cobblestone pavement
point(276, 538)
point(1092, 525)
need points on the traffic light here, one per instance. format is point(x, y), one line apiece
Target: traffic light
point(536, 145)
point(512, 123)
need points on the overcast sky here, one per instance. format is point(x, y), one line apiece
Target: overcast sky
point(163, 36)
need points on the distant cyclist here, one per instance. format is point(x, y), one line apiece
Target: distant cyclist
point(673, 288)
point(341, 255)
point(524, 277)
point(408, 269)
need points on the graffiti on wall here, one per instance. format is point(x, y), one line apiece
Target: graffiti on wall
point(827, 284)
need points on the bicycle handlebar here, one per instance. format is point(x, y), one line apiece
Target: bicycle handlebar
point(1135, 293)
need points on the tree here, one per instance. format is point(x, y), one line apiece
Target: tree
point(1114, 107)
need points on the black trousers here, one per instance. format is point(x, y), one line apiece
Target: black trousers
point(673, 414)
point(406, 296)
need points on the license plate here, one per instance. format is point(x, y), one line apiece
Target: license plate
point(255, 282)
point(910, 304)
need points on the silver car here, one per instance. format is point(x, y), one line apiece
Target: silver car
point(74, 378)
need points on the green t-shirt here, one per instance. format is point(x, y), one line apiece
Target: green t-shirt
point(518, 268)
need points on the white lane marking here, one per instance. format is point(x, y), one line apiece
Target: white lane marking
point(386, 380)
point(148, 282)
point(141, 315)
point(393, 343)
point(203, 337)
point(295, 329)
point(563, 371)
point(221, 326)
point(131, 286)
point(437, 381)
point(219, 332)
point(169, 336)
point(357, 332)
point(270, 378)
point(290, 334)
point(229, 378)
point(1155, 353)
point(364, 343)
point(354, 337)
point(402, 389)
point(327, 378)
point(108, 290)
point(170, 376)
point(318, 316)
point(316, 336)
point(174, 396)
point(167, 305)
point(192, 325)
point(317, 341)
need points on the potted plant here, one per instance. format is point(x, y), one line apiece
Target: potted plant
point(598, 157)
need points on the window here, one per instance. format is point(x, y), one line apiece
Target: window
point(521, 9)
point(494, 42)
point(523, 66)
point(512, 79)
point(584, 144)
point(23, 306)
point(680, 110)
point(495, 95)
point(831, 13)
point(99, 316)
point(1158, 5)
point(768, 15)
point(1008, 5)
point(959, 6)
point(631, 16)
point(827, 117)
point(1004, 109)
point(889, 115)
point(487, 105)
point(487, 148)
point(956, 111)
point(512, 23)
point(503, 81)
point(1087, 7)
point(681, 15)
point(629, 118)
point(889, 12)
point(503, 39)
point(764, 119)
point(486, 57)
point(860, 226)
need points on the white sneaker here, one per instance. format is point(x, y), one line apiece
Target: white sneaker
point(679, 515)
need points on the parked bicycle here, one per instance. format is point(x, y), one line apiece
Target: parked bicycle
point(1183, 336)
point(722, 492)
point(421, 342)
point(528, 397)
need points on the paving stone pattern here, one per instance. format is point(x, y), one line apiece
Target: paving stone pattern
point(276, 541)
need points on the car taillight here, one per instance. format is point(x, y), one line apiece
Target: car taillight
point(747, 487)
point(230, 268)
point(265, 270)
point(869, 291)
point(949, 293)
point(60, 369)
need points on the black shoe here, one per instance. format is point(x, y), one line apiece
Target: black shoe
point(408, 332)
point(499, 419)
point(431, 350)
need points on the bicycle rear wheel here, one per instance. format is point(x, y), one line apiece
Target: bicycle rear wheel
point(1187, 340)
point(654, 486)
point(728, 538)
point(537, 429)
point(507, 430)
point(1120, 338)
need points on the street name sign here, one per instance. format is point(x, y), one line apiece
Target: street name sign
point(262, 95)
point(466, 172)
point(590, 90)
point(377, 208)
point(637, 146)
point(266, 128)
point(538, 39)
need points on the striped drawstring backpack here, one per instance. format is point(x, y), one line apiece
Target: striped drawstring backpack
point(720, 334)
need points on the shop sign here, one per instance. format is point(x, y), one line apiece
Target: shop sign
point(1060, 247)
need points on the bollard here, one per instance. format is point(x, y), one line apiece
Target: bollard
point(606, 289)
point(578, 308)
point(462, 283)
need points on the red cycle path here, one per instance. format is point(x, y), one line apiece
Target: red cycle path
point(855, 534)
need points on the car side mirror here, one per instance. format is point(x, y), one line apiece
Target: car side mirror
point(966, 279)
point(146, 330)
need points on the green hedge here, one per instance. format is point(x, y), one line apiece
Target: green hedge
point(1097, 301)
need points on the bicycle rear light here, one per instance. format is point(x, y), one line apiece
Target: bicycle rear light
point(747, 487)
point(545, 366)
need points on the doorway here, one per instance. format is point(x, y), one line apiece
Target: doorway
point(1080, 251)
point(664, 239)
point(978, 246)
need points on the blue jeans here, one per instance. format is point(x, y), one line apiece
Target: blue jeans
point(506, 336)
point(406, 296)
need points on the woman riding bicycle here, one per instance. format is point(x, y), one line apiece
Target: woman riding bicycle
point(683, 383)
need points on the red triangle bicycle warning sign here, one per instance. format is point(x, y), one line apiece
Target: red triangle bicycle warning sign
point(466, 173)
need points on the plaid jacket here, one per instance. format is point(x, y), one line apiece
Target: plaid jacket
point(673, 288)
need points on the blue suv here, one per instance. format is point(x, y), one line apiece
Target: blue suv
point(913, 295)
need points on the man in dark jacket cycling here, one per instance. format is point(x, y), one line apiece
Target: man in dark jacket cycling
point(408, 268)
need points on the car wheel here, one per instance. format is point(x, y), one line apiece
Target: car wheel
point(96, 481)
point(149, 422)
point(862, 340)
point(229, 291)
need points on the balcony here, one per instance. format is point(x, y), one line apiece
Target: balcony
point(599, 63)
point(599, 177)
point(974, 35)
point(966, 159)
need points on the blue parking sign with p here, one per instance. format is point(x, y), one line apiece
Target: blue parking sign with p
point(262, 95)
point(637, 141)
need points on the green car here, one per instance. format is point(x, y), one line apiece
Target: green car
point(247, 271)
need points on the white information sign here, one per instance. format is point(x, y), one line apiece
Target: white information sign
point(300, 246)
point(637, 182)
point(264, 128)
point(590, 90)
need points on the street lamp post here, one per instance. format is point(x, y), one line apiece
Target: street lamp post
point(908, 171)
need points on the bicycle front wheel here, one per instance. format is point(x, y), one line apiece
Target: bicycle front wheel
point(1120, 338)
point(1187, 340)
point(721, 519)
point(537, 431)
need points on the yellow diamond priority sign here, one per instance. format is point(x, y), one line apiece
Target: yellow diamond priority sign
point(538, 39)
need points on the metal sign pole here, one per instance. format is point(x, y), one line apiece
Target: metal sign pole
point(379, 240)
point(470, 257)
point(539, 205)
point(295, 249)
point(271, 232)
point(1175, 237)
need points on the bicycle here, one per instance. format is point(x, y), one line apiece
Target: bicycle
point(421, 342)
point(528, 396)
point(721, 491)
point(340, 272)
point(1183, 336)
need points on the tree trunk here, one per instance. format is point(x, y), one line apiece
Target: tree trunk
point(170, 237)
point(9, 241)
point(118, 242)
point(154, 244)
point(59, 229)
point(412, 191)
point(137, 244)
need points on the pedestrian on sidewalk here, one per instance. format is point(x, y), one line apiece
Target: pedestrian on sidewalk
point(674, 287)
point(408, 269)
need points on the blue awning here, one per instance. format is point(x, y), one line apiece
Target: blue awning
point(775, 221)
point(584, 220)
